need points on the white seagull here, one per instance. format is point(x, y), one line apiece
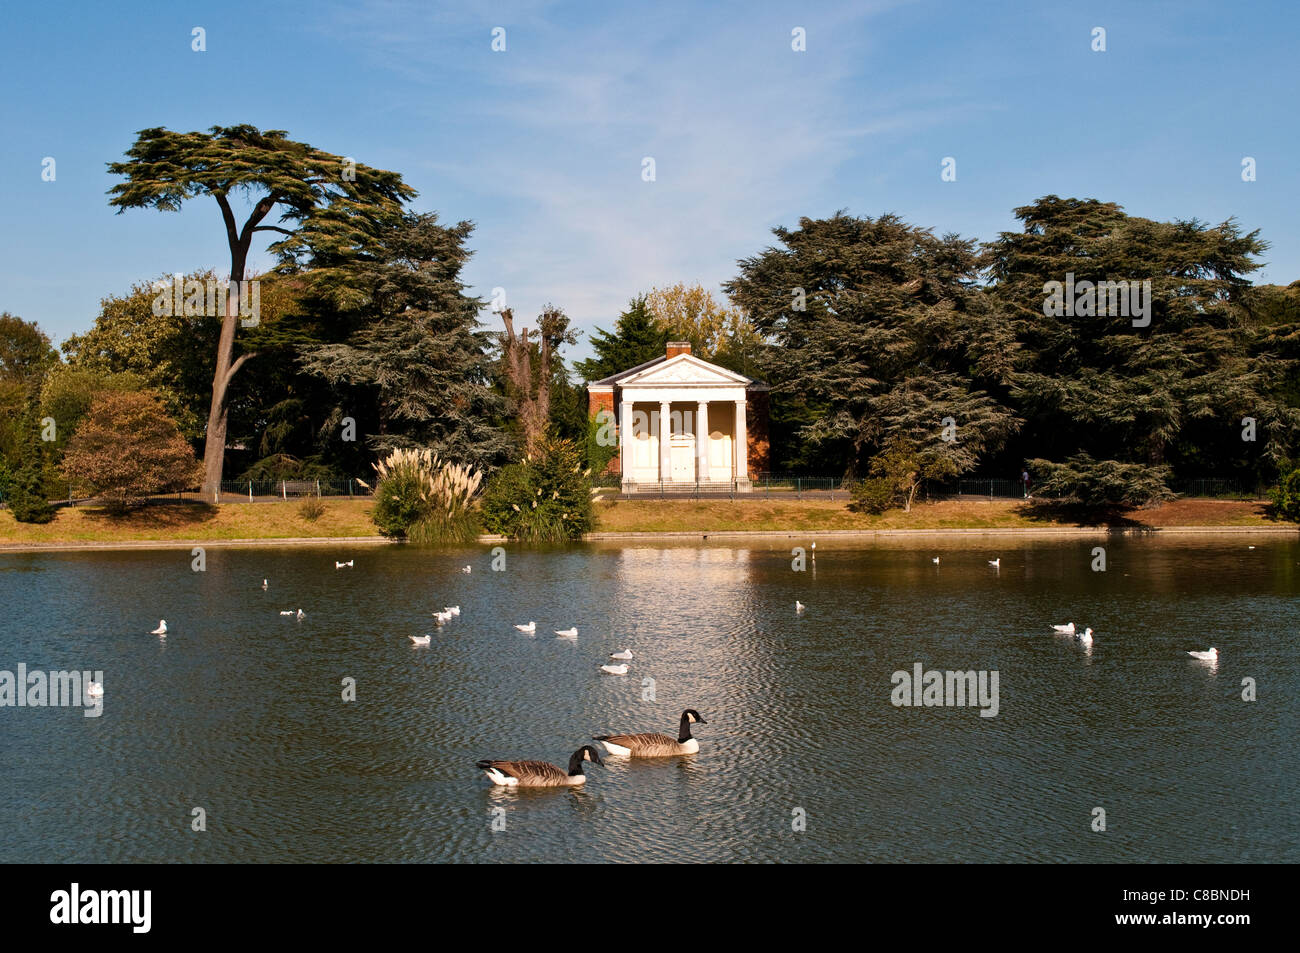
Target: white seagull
point(346, 565)
point(95, 690)
point(421, 639)
point(162, 628)
point(263, 585)
point(996, 563)
point(1067, 629)
point(799, 607)
point(570, 633)
point(467, 569)
point(1085, 638)
point(453, 610)
point(624, 655)
point(1210, 656)
point(935, 560)
point(528, 629)
point(286, 612)
point(614, 669)
point(301, 615)
point(442, 618)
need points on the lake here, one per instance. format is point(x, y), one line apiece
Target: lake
point(240, 711)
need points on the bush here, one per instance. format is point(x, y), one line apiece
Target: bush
point(1286, 498)
point(27, 498)
point(424, 500)
point(1102, 483)
point(127, 448)
point(874, 495)
point(311, 508)
point(544, 498)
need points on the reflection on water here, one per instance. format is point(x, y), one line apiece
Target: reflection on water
point(241, 712)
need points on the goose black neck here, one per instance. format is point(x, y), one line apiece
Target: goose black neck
point(684, 735)
point(575, 764)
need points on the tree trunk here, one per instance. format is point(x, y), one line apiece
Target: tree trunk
point(214, 447)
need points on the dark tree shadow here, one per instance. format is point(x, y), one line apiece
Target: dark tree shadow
point(156, 514)
point(1079, 514)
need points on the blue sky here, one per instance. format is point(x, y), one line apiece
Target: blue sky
point(542, 145)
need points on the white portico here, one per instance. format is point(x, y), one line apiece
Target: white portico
point(681, 422)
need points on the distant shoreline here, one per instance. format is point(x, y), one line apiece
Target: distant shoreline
point(680, 536)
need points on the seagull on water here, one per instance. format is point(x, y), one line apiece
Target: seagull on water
point(453, 610)
point(1067, 629)
point(162, 628)
point(421, 639)
point(799, 607)
point(286, 612)
point(301, 615)
point(95, 690)
point(996, 563)
point(624, 655)
point(935, 560)
point(346, 565)
point(467, 569)
point(1085, 638)
point(442, 618)
point(1210, 656)
point(614, 669)
point(570, 633)
point(264, 585)
point(528, 629)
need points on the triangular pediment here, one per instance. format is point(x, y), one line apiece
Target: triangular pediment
point(684, 369)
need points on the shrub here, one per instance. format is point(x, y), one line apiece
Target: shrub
point(311, 508)
point(1286, 498)
point(1102, 483)
point(127, 448)
point(422, 499)
point(27, 499)
point(874, 495)
point(546, 497)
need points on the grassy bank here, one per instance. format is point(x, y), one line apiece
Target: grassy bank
point(350, 517)
point(184, 521)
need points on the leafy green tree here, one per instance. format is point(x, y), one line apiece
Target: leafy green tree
point(636, 338)
point(28, 495)
point(546, 497)
point(335, 208)
point(69, 391)
point(25, 352)
point(1120, 391)
point(417, 352)
point(878, 331)
point(1102, 483)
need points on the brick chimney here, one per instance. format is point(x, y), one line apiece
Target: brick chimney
point(678, 347)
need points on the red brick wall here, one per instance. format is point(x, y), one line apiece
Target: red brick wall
point(677, 347)
point(596, 402)
point(757, 406)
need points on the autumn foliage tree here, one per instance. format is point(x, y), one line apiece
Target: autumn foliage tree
point(127, 448)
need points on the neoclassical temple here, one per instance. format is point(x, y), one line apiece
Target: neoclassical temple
point(683, 423)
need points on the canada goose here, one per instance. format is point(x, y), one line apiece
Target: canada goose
point(624, 655)
point(996, 563)
point(614, 669)
point(95, 690)
point(1086, 638)
point(1067, 629)
point(1210, 656)
point(570, 633)
point(653, 744)
point(346, 565)
point(421, 639)
point(162, 628)
point(527, 629)
point(799, 607)
point(539, 774)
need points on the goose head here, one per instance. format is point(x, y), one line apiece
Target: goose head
point(585, 753)
point(692, 717)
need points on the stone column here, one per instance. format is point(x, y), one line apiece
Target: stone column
point(625, 442)
point(702, 441)
point(740, 472)
point(665, 441)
